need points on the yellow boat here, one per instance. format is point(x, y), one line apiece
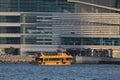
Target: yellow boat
point(61, 59)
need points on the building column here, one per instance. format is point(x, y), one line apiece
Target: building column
point(81, 41)
point(112, 42)
point(92, 52)
point(101, 41)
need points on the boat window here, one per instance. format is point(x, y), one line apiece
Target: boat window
point(63, 59)
point(68, 59)
point(52, 59)
point(46, 59)
point(39, 59)
point(55, 59)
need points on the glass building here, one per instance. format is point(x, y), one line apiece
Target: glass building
point(48, 25)
point(36, 6)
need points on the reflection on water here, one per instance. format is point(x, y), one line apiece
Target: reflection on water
point(73, 72)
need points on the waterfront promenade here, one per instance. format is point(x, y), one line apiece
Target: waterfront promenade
point(18, 59)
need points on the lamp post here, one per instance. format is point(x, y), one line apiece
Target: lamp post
point(74, 54)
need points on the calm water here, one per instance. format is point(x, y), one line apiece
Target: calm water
point(73, 72)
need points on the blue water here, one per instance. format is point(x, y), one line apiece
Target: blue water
point(73, 72)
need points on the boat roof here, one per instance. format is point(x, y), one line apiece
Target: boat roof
point(61, 55)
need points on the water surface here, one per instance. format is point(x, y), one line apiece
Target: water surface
point(73, 72)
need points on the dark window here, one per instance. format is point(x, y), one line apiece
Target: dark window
point(9, 29)
point(90, 41)
point(9, 40)
point(12, 19)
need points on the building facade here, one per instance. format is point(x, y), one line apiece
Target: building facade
point(48, 25)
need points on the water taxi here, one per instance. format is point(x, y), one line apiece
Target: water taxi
point(61, 59)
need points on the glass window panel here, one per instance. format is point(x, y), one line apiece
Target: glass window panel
point(90, 41)
point(9, 40)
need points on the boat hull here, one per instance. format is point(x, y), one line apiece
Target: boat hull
point(55, 63)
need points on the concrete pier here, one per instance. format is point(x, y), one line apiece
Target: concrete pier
point(96, 60)
point(16, 59)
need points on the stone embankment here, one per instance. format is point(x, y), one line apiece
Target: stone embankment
point(16, 59)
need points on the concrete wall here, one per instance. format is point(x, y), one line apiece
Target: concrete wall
point(116, 53)
point(97, 60)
